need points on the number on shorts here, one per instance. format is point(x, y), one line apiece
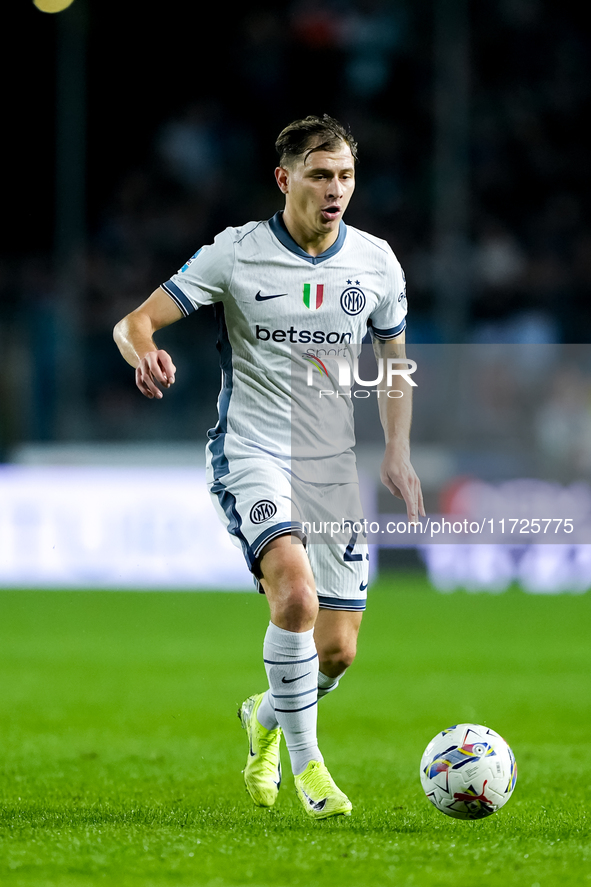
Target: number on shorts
point(349, 556)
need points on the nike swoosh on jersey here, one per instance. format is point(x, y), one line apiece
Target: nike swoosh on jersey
point(291, 680)
point(362, 587)
point(260, 298)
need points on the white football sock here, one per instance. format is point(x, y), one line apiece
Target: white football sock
point(266, 714)
point(327, 685)
point(291, 662)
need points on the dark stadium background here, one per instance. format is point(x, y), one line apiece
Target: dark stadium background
point(121, 752)
point(223, 83)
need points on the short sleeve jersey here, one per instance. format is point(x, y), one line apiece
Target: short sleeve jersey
point(276, 303)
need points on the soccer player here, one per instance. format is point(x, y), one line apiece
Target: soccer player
point(280, 289)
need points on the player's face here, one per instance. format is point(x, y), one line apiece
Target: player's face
point(318, 190)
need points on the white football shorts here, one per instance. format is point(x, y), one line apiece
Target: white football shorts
point(259, 499)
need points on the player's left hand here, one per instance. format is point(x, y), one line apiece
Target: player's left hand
point(398, 475)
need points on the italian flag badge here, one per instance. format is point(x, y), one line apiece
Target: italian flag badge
point(313, 296)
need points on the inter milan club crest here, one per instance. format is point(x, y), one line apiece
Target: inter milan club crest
point(263, 510)
point(313, 296)
point(353, 300)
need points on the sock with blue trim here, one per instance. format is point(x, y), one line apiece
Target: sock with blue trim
point(266, 713)
point(326, 685)
point(291, 662)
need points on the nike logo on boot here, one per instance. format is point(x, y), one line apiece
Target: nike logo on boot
point(315, 805)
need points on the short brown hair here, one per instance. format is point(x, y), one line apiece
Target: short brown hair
point(298, 138)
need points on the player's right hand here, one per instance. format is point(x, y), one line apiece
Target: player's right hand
point(155, 370)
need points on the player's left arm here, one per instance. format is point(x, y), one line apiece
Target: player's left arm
point(396, 472)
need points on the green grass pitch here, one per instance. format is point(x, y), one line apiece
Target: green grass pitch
point(121, 752)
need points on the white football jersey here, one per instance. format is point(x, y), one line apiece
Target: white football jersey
point(276, 304)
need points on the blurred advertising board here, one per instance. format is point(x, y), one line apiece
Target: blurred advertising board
point(113, 527)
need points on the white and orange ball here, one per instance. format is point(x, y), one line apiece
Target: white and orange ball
point(468, 771)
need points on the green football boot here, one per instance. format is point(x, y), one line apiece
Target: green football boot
point(262, 773)
point(319, 794)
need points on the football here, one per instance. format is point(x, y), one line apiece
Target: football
point(468, 771)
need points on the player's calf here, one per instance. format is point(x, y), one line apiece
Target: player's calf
point(291, 663)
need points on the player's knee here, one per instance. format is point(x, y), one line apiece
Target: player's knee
point(288, 582)
point(299, 606)
point(293, 604)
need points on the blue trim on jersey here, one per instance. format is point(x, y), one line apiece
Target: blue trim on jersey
point(227, 501)
point(277, 226)
point(335, 603)
point(250, 231)
point(217, 435)
point(217, 438)
point(280, 529)
point(178, 297)
point(391, 333)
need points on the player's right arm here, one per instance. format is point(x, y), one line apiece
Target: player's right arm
point(134, 338)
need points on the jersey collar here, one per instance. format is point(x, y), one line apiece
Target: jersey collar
point(280, 231)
